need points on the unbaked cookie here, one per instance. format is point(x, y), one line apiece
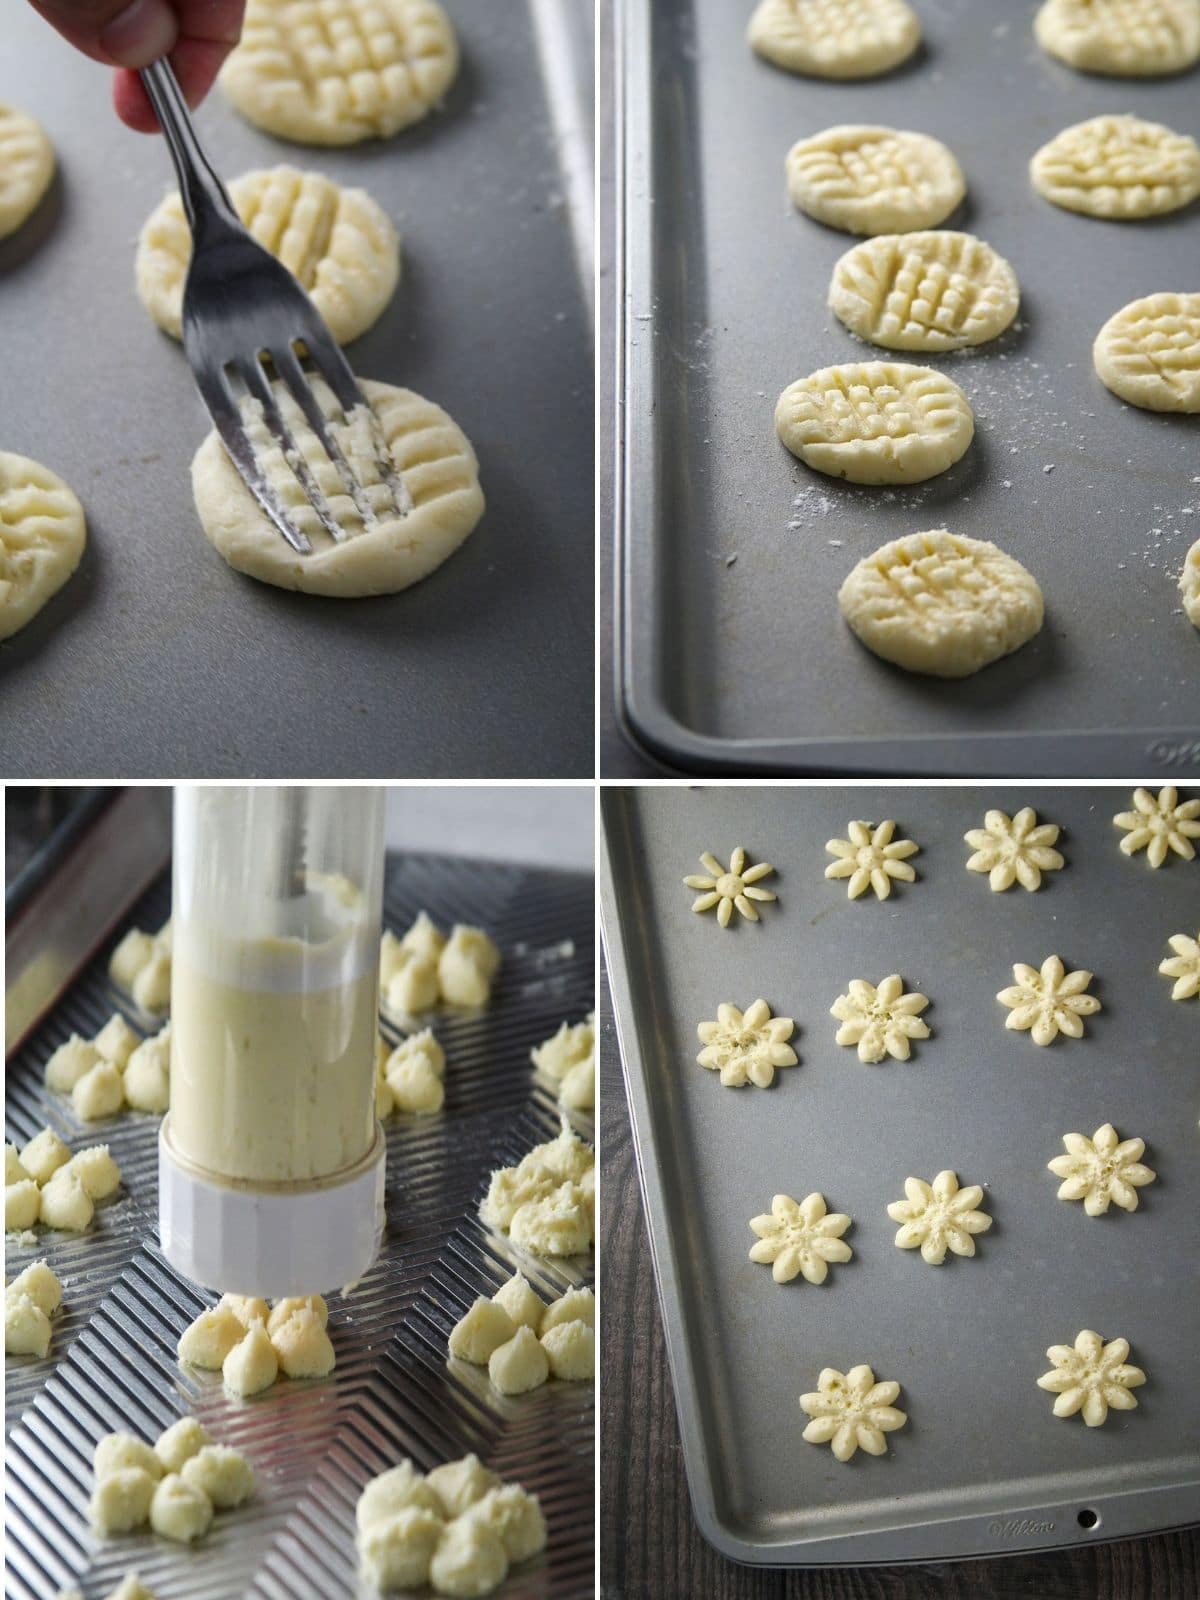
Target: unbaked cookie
point(940, 603)
point(865, 179)
point(746, 1047)
point(1148, 353)
point(835, 38)
point(1183, 966)
point(432, 456)
point(737, 887)
point(338, 243)
point(924, 291)
point(42, 535)
point(880, 1021)
point(1048, 1002)
point(800, 1238)
point(1122, 38)
point(1189, 584)
point(876, 422)
point(1090, 1377)
point(1160, 824)
point(871, 858)
point(1014, 849)
point(850, 1412)
point(1118, 167)
point(939, 1216)
point(332, 72)
point(1100, 1171)
point(26, 167)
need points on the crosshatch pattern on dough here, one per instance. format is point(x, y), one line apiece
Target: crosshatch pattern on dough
point(924, 291)
point(1125, 38)
point(873, 180)
point(835, 38)
point(42, 535)
point(1118, 167)
point(1149, 352)
point(26, 167)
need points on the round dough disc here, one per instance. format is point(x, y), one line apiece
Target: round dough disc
point(42, 535)
point(26, 167)
point(339, 244)
point(941, 604)
point(432, 457)
point(835, 38)
point(333, 72)
point(1118, 167)
point(1123, 38)
point(1149, 352)
point(871, 180)
point(876, 422)
point(1189, 584)
point(924, 291)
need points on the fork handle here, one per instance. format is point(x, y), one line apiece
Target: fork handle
point(205, 198)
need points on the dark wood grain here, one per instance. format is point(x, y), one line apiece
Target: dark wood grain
point(650, 1547)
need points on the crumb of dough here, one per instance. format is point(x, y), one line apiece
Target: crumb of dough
point(131, 1587)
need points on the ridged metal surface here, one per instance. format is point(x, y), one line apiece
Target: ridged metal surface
point(112, 1362)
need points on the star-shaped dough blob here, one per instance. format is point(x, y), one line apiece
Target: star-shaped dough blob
point(1090, 1377)
point(939, 1217)
point(726, 889)
point(850, 1411)
point(1160, 824)
point(800, 1239)
point(871, 858)
point(1015, 850)
point(1183, 966)
point(1048, 1002)
point(746, 1048)
point(1101, 1172)
point(880, 1021)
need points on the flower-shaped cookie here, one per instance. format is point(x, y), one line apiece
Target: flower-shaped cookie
point(1183, 966)
point(746, 1048)
point(938, 1217)
point(871, 858)
point(1048, 1002)
point(850, 1410)
point(727, 889)
point(880, 1021)
point(1016, 850)
point(1159, 825)
point(800, 1238)
point(1091, 1377)
point(1101, 1172)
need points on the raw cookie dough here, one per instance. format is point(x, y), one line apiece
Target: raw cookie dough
point(1014, 850)
point(942, 604)
point(1148, 353)
point(545, 1201)
point(518, 1365)
point(520, 1300)
point(800, 1238)
point(413, 1073)
point(121, 1500)
point(880, 1021)
point(1100, 1171)
point(65, 1202)
point(746, 1048)
point(876, 422)
point(252, 1365)
point(1118, 167)
point(338, 243)
point(515, 1517)
point(398, 1489)
point(726, 889)
point(432, 456)
point(871, 180)
point(408, 981)
point(42, 535)
point(1048, 1002)
point(835, 38)
point(30, 1300)
point(99, 1093)
point(26, 167)
point(180, 1442)
point(69, 1063)
point(303, 1347)
point(1189, 584)
point(1123, 38)
point(22, 1203)
point(568, 1059)
point(577, 1305)
point(207, 1340)
point(459, 1485)
point(850, 1411)
point(1183, 966)
point(141, 964)
point(469, 1560)
point(179, 1510)
point(467, 964)
point(117, 1041)
point(1160, 824)
point(938, 1217)
point(147, 1076)
point(44, 1155)
point(226, 1477)
point(1090, 1377)
point(115, 1451)
point(571, 1350)
point(484, 1328)
point(871, 858)
point(334, 72)
point(924, 291)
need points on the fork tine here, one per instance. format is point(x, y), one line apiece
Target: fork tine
point(327, 357)
point(259, 385)
point(287, 365)
point(222, 408)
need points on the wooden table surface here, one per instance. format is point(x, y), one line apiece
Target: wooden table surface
point(650, 1546)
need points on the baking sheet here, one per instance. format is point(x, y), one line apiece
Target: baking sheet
point(732, 652)
point(485, 668)
point(983, 1466)
point(392, 1393)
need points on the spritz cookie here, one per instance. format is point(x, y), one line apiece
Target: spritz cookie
point(334, 72)
point(1149, 352)
point(835, 38)
point(432, 457)
point(42, 535)
point(338, 243)
point(26, 167)
point(871, 180)
point(1160, 824)
point(850, 1412)
point(876, 422)
point(1090, 1377)
point(1120, 168)
point(1102, 1171)
point(800, 1238)
point(1183, 966)
point(1189, 584)
point(1014, 849)
point(1122, 38)
point(924, 291)
point(1050, 1001)
point(941, 604)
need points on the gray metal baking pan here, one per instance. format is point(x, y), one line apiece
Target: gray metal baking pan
point(983, 1467)
point(157, 660)
point(731, 652)
point(393, 1393)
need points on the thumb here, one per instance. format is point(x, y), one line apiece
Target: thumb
point(122, 33)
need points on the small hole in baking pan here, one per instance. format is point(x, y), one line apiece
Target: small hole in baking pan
point(1088, 1519)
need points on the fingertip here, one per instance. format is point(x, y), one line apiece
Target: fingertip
point(132, 103)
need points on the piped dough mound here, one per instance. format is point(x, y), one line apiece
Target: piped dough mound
point(871, 180)
point(1121, 38)
point(26, 167)
point(835, 38)
point(941, 604)
point(1149, 353)
point(432, 457)
point(42, 535)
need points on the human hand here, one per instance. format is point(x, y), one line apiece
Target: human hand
point(128, 34)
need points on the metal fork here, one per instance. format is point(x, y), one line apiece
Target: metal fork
point(242, 309)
